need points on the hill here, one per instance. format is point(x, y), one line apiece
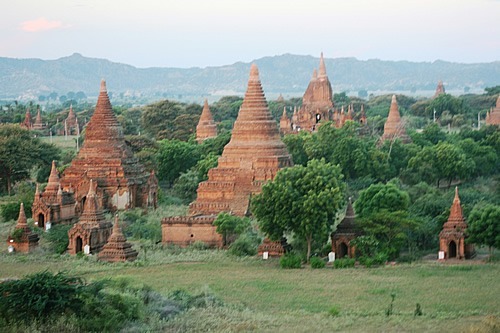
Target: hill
point(287, 74)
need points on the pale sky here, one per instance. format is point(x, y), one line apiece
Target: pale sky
point(188, 33)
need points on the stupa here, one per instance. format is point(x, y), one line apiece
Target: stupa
point(24, 240)
point(439, 89)
point(117, 248)
point(71, 126)
point(53, 205)
point(394, 127)
point(28, 121)
point(346, 231)
point(252, 157)
point(92, 231)
point(493, 116)
point(105, 158)
point(206, 127)
point(452, 237)
point(38, 124)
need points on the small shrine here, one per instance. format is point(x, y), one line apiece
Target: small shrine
point(206, 127)
point(28, 120)
point(23, 239)
point(493, 116)
point(117, 249)
point(38, 124)
point(394, 127)
point(452, 237)
point(346, 231)
point(92, 231)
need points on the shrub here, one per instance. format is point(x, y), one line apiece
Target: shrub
point(317, 262)
point(246, 244)
point(290, 260)
point(334, 311)
point(344, 263)
point(10, 211)
point(57, 237)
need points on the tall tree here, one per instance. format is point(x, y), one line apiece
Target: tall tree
point(303, 200)
point(484, 226)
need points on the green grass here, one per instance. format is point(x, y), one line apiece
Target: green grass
point(260, 296)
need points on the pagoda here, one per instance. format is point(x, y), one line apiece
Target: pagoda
point(92, 231)
point(452, 237)
point(439, 89)
point(53, 205)
point(493, 116)
point(252, 157)
point(206, 127)
point(24, 240)
point(28, 120)
point(105, 158)
point(117, 248)
point(71, 126)
point(346, 231)
point(394, 127)
point(38, 124)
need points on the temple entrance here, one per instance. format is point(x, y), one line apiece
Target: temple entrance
point(342, 250)
point(41, 221)
point(452, 250)
point(78, 244)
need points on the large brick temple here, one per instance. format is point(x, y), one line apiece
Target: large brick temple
point(252, 157)
point(105, 158)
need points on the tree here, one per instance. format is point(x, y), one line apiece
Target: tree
point(295, 144)
point(20, 153)
point(174, 157)
point(380, 197)
point(303, 200)
point(484, 226)
point(230, 226)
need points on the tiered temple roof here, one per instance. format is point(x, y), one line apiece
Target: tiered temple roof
point(117, 248)
point(439, 89)
point(107, 160)
point(493, 116)
point(71, 126)
point(394, 127)
point(28, 240)
point(38, 124)
point(28, 121)
point(206, 127)
point(346, 231)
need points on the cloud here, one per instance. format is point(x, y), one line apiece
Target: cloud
point(41, 24)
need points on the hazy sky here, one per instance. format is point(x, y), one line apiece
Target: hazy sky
point(187, 33)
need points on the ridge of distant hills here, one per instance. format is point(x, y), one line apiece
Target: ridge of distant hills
point(286, 74)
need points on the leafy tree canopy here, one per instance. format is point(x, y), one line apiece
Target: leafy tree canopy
point(380, 197)
point(484, 226)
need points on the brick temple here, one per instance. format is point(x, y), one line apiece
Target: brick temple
point(439, 89)
point(206, 127)
point(27, 240)
point(28, 120)
point(493, 116)
point(346, 231)
point(71, 125)
point(105, 158)
point(92, 231)
point(252, 157)
point(38, 124)
point(117, 249)
point(394, 127)
point(452, 237)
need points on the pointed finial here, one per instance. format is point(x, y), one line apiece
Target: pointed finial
point(37, 190)
point(21, 220)
point(103, 86)
point(91, 189)
point(205, 103)
point(394, 99)
point(457, 198)
point(315, 74)
point(116, 225)
point(254, 73)
point(322, 67)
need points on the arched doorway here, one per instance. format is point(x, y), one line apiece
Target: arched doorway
point(342, 250)
point(78, 244)
point(41, 221)
point(452, 250)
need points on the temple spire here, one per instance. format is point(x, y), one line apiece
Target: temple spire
point(54, 181)
point(254, 73)
point(322, 67)
point(21, 220)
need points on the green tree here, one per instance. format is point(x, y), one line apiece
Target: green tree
point(484, 226)
point(231, 226)
point(379, 197)
point(174, 157)
point(303, 200)
point(295, 144)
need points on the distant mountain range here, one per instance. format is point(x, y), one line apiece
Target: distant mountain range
point(287, 74)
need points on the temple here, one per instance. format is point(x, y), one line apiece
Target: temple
point(22, 239)
point(71, 126)
point(252, 157)
point(439, 89)
point(38, 124)
point(105, 158)
point(452, 237)
point(92, 231)
point(394, 127)
point(117, 249)
point(53, 205)
point(493, 116)
point(28, 120)
point(317, 103)
point(346, 231)
point(206, 127)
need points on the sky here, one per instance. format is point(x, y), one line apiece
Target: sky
point(201, 33)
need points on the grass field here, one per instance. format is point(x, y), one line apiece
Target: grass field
point(259, 296)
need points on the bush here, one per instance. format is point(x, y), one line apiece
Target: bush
point(344, 263)
point(57, 237)
point(317, 262)
point(245, 245)
point(334, 311)
point(10, 211)
point(290, 260)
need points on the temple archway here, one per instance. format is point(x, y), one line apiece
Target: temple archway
point(78, 244)
point(343, 250)
point(41, 221)
point(452, 250)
